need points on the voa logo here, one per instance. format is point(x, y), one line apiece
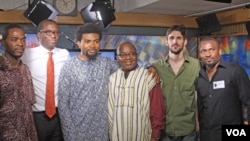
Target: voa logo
point(236, 132)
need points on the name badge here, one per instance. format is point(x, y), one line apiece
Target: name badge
point(219, 84)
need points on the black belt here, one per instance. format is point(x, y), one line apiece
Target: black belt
point(44, 111)
point(44, 114)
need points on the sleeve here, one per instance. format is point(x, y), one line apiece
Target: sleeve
point(110, 109)
point(243, 83)
point(114, 66)
point(30, 85)
point(63, 104)
point(157, 111)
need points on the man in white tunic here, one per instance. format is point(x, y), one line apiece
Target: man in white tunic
point(135, 103)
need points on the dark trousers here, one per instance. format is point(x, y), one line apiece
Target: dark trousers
point(48, 129)
point(189, 137)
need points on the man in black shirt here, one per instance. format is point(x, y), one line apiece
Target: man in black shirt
point(223, 88)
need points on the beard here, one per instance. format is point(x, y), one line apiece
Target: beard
point(176, 52)
point(91, 57)
point(211, 65)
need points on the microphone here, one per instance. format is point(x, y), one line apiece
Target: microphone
point(67, 37)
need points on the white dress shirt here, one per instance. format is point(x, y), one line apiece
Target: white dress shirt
point(36, 59)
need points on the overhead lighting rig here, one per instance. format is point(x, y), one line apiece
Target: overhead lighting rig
point(39, 10)
point(100, 11)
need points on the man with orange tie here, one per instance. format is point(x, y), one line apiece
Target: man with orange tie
point(45, 62)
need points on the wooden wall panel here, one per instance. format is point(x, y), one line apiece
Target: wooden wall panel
point(235, 16)
point(126, 19)
point(232, 29)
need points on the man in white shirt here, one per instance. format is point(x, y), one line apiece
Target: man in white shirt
point(48, 127)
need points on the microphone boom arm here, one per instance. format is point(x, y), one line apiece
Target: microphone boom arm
point(70, 40)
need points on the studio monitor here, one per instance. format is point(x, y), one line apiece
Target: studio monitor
point(208, 24)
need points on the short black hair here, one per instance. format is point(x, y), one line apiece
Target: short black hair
point(8, 27)
point(88, 28)
point(177, 27)
point(40, 25)
point(210, 38)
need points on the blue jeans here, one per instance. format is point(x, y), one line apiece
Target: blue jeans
point(189, 137)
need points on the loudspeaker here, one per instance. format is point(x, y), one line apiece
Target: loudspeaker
point(38, 11)
point(208, 24)
point(248, 28)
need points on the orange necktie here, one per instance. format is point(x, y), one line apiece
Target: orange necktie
point(50, 108)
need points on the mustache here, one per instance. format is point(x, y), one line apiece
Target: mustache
point(175, 45)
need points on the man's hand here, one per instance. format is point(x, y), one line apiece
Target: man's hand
point(152, 70)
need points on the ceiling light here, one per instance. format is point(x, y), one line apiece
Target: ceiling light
point(99, 11)
point(38, 11)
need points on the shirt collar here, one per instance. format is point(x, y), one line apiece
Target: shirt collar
point(6, 64)
point(186, 58)
point(43, 50)
point(127, 72)
point(222, 64)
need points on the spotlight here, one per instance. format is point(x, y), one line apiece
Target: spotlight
point(100, 11)
point(38, 11)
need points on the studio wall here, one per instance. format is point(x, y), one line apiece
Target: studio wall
point(237, 49)
point(150, 41)
point(149, 48)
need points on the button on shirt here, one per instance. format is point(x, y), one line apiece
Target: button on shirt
point(179, 95)
point(220, 100)
point(36, 59)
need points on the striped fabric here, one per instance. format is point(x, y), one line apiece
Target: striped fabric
point(129, 105)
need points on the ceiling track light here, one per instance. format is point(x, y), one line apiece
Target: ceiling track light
point(38, 11)
point(100, 11)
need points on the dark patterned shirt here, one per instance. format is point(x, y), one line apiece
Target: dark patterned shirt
point(16, 99)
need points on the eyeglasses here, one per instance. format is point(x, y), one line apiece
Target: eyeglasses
point(123, 55)
point(49, 32)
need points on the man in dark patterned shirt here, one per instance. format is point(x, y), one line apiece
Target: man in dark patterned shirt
point(16, 89)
